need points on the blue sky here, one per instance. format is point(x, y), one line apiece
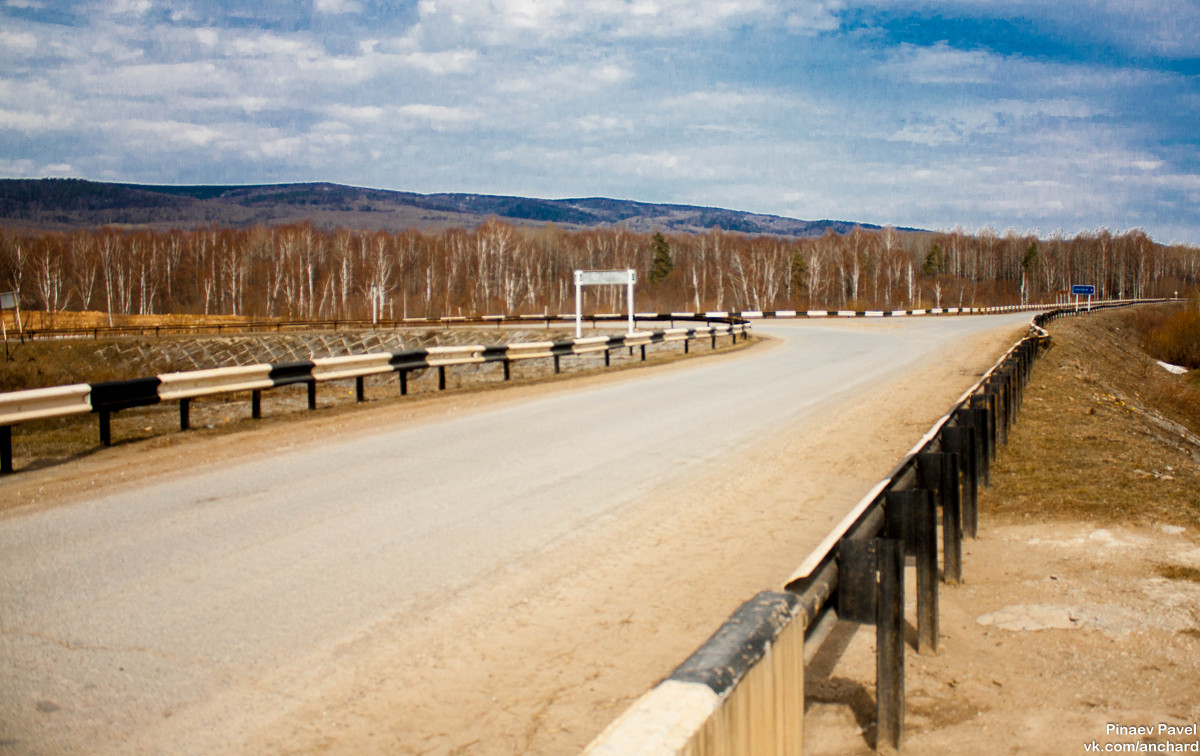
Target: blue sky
point(1068, 115)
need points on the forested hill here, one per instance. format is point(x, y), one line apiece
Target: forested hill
point(75, 203)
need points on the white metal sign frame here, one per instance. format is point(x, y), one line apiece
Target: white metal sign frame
point(583, 278)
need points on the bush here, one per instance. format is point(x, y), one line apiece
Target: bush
point(1177, 339)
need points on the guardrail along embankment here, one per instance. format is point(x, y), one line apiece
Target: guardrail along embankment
point(107, 398)
point(742, 692)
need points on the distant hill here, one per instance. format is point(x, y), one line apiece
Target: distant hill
point(76, 203)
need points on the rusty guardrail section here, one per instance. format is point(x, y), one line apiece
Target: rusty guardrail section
point(742, 692)
point(110, 397)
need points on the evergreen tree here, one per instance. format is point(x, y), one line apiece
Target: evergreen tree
point(662, 265)
point(799, 273)
point(935, 261)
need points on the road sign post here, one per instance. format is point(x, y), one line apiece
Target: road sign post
point(1080, 290)
point(583, 278)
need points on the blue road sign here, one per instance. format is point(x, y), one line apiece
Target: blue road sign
point(1083, 290)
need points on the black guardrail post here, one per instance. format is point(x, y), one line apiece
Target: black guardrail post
point(442, 377)
point(889, 645)
point(857, 583)
point(952, 526)
point(312, 394)
point(185, 414)
point(402, 375)
point(960, 440)
point(912, 518)
point(938, 472)
point(360, 392)
point(6, 458)
point(984, 408)
point(508, 369)
point(256, 404)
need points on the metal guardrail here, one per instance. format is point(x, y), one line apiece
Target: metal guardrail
point(546, 319)
point(855, 575)
point(109, 397)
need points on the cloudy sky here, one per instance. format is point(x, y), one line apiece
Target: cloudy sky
point(1074, 114)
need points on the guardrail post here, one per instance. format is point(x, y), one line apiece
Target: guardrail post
point(359, 389)
point(1003, 404)
point(857, 581)
point(686, 343)
point(6, 459)
point(557, 367)
point(105, 428)
point(714, 339)
point(312, 394)
point(961, 441)
point(643, 352)
point(256, 404)
point(952, 527)
point(985, 408)
point(507, 369)
point(403, 376)
point(889, 645)
point(607, 357)
point(442, 377)
point(938, 473)
point(185, 414)
point(912, 518)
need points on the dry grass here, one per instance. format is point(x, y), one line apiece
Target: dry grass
point(1179, 572)
point(1171, 334)
point(1105, 434)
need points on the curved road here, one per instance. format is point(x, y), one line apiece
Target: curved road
point(123, 610)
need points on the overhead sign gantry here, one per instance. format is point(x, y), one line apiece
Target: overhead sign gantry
point(583, 278)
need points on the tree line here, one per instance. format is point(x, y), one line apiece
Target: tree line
point(303, 272)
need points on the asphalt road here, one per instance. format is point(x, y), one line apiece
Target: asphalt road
point(123, 611)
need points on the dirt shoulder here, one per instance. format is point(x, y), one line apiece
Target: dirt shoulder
point(1081, 602)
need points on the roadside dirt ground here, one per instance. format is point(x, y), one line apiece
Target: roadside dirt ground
point(1080, 608)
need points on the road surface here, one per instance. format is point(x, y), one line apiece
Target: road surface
point(184, 614)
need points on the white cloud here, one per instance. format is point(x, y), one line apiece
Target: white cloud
point(942, 64)
point(208, 37)
point(33, 123)
point(437, 115)
point(604, 123)
point(444, 61)
point(335, 7)
point(17, 167)
point(21, 43)
point(363, 114)
point(169, 132)
point(128, 7)
point(498, 21)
